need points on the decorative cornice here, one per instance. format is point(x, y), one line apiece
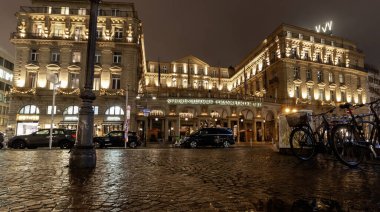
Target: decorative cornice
point(37, 17)
point(78, 19)
point(57, 18)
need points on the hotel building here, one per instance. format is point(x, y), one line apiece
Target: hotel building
point(50, 43)
point(291, 69)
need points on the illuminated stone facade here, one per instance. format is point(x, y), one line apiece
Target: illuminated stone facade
point(189, 93)
point(292, 69)
point(6, 76)
point(302, 69)
point(51, 43)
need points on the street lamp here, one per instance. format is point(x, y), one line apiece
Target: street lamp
point(83, 155)
point(54, 80)
point(127, 117)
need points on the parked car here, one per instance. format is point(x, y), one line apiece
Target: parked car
point(65, 139)
point(117, 139)
point(1, 140)
point(209, 137)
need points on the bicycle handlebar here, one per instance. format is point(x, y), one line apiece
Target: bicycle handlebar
point(324, 113)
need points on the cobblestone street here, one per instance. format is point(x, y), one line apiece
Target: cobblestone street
point(169, 179)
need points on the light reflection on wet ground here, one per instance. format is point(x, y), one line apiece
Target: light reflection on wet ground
point(235, 179)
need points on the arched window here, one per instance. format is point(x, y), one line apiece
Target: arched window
point(29, 109)
point(115, 111)
point(71, 110)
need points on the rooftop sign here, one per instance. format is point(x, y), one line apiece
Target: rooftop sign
point(325, 29)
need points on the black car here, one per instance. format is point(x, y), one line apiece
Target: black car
point(117, 139)
point(65, 139)
point(1, 140)
point(209, 137)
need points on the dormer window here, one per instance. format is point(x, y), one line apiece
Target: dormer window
point(65, 11)
point(115, 12)
point(82, 11)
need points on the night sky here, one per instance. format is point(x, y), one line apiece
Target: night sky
point(223, 32)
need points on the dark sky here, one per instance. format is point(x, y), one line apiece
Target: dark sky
point(223, 32)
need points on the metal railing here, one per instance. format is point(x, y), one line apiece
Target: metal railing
point(77, 11)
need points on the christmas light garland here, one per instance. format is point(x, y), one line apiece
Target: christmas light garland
point(119, 92)
point(76, 91)
point(17, 91)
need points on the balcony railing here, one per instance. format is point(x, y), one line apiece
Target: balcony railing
point(77, 11)
point(17, 35)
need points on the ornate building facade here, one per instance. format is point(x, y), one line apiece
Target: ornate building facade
point(6, 77)
point(292, 69)
point(51, 42)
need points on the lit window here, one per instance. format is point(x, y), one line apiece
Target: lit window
point(309, 93)
point(341, 78)
point(49, 109)
point(115, 110)
point(65, 10)
point(331, 77)
point(38, 30)
point(32, 79)
point(74, 80)
point(98, 56)
point(78, 33)
point(82, 11)
point(71, 110)
point(96, 85)
point(76, 57)
point(321, 94)
point(48, 9)
point(297, 91)
point(29, 109)
point(58, 31)
point(96, 110)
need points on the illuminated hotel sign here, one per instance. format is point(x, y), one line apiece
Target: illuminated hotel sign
point(27, 117)
point(326, 29)
point(225, 102)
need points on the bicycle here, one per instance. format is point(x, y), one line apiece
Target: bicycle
point(350, 140)
point(303, 140)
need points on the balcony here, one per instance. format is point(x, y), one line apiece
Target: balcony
point(77, 11)
point(17, 35)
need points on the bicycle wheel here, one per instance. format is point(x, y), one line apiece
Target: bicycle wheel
point(302, 144)
point(346, 145)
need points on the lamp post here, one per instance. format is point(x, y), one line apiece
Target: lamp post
point(83, 154)
point(127, 117)
point(53, 79)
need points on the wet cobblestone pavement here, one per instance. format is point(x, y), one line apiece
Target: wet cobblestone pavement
point(234, 179)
